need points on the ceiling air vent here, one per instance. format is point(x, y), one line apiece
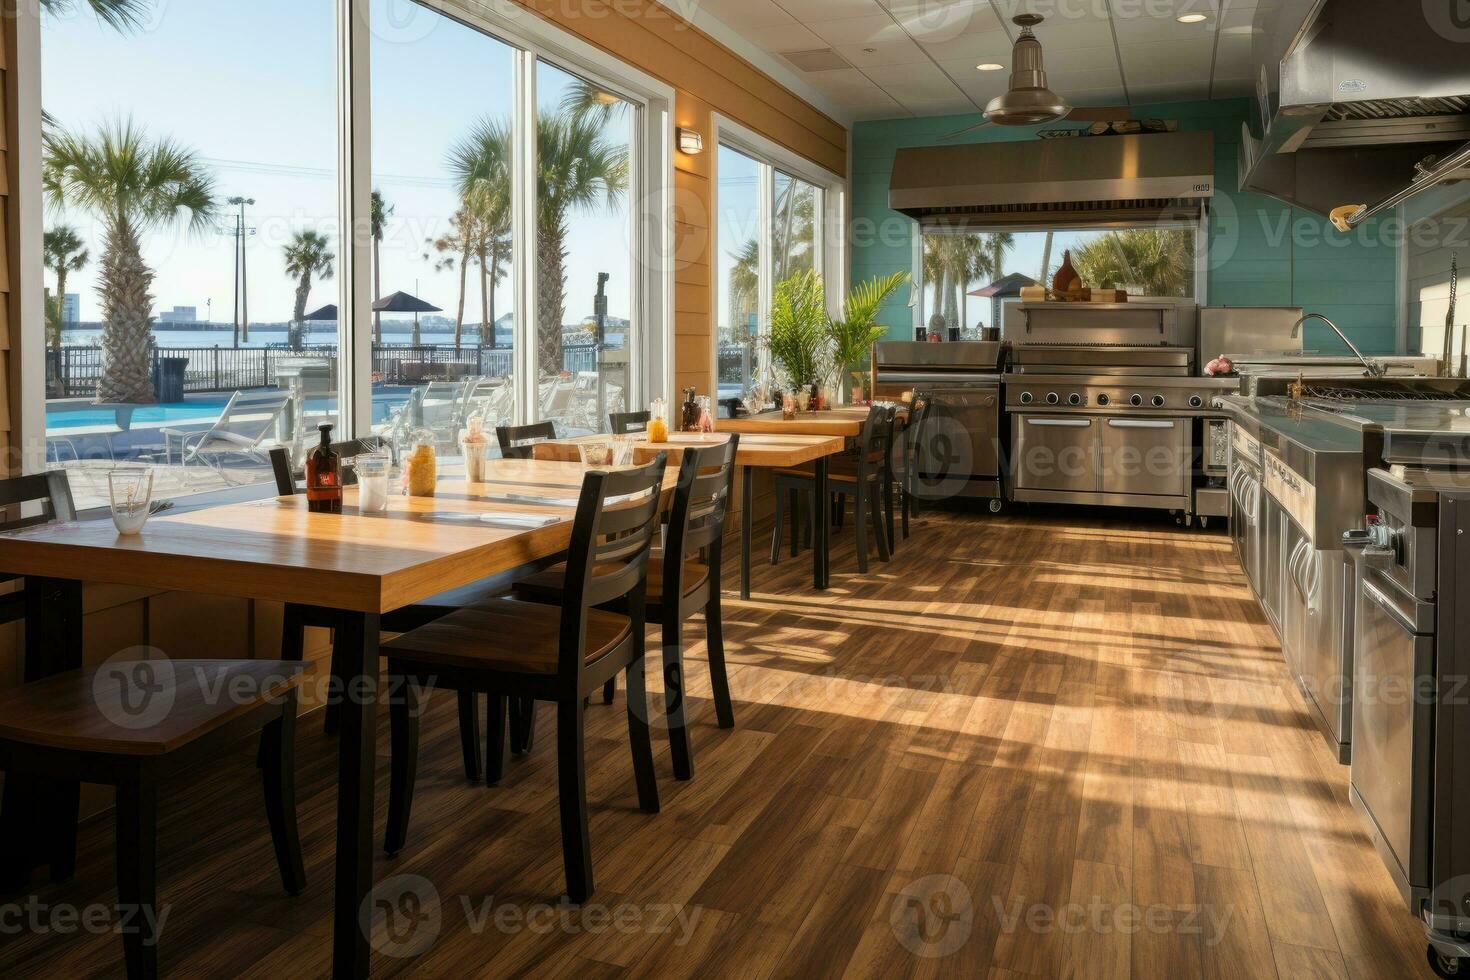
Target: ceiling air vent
point(817, 59)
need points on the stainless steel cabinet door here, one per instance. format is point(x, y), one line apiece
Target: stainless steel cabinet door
point(1145, 456)
point(1056, 452)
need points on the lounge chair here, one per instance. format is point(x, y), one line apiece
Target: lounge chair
point(248, 420)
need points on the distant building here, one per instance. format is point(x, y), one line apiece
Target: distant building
point(179, 314)
point(71, 307)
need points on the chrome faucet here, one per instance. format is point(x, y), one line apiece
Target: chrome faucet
point(1373, 368)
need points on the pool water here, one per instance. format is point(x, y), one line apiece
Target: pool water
point(200, 410)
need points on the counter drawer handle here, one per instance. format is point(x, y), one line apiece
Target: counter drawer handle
point(1141, 423)
point(1061, 423)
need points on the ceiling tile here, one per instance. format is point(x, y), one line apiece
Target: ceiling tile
point(1082, 27)
point(1067, 82)
point(858, 30)
point(807, 11)
point(941, 107)
point(1156, 20)
point(1173, 91)
point(936, 22)
point(914, 82)
point(904, 52)
point(1233, 57)
point(783, 38)
point(1058, 58)
point(1161, 62)
point(744, 14)
point(845, 84)
point(993, 45)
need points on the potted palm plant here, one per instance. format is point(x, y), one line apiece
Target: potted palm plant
point(853, 335)
point(797, 340)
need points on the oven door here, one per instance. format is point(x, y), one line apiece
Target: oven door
point(1056, 452)
point(1393, 715)
point(1270, 534)
point(966, 422)
point(1149, 457)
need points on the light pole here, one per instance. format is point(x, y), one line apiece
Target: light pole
point(242, 298)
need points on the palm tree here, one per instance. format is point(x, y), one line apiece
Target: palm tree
point(1159, 261)
point(460, 248)
point(583, 98)
point(62, 253)
point(381, 212)
point(1000, 242)
point(578, 170)
point(308, 254)
point(120, 15)
point(951, 263)
point(132, 184)
point(744, 289)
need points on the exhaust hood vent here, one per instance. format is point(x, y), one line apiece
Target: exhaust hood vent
point(1146, 176)
point(1365, 96)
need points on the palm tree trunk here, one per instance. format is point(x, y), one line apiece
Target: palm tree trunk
point(127, 312)
point(298, 323)
point(61, 316)
point(1046, 262)
point(550, 297)
point(487, 286)
point(377, 290)
point(487, 331)
point(464, 280)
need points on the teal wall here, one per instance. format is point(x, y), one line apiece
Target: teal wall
point(1262, 252)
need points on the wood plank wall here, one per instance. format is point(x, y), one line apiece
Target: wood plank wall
point(707, 77)
point(8, 299)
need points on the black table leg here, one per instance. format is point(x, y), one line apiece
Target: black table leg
point(747, 515)
point(357, 760)
point(822, 533)
point(39, 815)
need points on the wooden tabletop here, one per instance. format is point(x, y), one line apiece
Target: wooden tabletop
point(275, 549)
point(833, 422)
point(756, 449)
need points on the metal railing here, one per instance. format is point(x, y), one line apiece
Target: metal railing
point(73, 371)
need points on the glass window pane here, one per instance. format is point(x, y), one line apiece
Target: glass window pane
point(443, 347)
point(586, 292)
point(197, 355)
point(1148, 261)
point(793, 227)
point(739, 234)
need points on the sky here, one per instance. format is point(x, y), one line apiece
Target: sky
point(251, 88)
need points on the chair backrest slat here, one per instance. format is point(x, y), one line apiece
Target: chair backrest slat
point(52, 490)
point(517, 441)
point(612, 533)
point(701, 502)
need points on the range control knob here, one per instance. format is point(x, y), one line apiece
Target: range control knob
point(1135, 399)
point(1158, 401)
point(1195, 401)
point(1052, 398)
point(1027, 398)
point(1104, 399)
point(1074, 399)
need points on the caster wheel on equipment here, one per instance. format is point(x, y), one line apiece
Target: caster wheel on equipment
point(1443, 966)
point(1204, 522)
point(995, 505)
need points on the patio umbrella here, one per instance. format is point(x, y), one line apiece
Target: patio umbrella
point(327, 314)
point(401, 302)
point(1007, 285)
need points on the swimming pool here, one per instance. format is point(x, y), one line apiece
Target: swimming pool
point(197, 410)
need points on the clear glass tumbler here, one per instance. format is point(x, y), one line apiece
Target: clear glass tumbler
point(130, 489)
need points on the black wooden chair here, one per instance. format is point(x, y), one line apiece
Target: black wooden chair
point(50, 494)
point(510, 648)
point(690, 556)
point(519, 441)
point(622, 423)
point(291, 472)
point(297, 617)
point(862, 473)
point(98, 725)
point(908, 452)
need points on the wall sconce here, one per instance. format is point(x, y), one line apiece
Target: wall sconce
point(691, 141)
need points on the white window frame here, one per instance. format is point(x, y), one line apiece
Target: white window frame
point(651, 338)
point(833, 257)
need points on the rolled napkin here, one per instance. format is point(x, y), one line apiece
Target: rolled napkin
point(532, 498)
point(517, 520)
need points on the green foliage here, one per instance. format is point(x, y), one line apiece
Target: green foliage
point(1160, 261)
point(798, 339)
point(120, 15)
point(855, 333)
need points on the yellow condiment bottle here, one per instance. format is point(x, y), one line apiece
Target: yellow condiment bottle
point(658, 424)
point(421, 468)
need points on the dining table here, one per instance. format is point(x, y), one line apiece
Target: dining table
point(757, 450)
point(349, 569)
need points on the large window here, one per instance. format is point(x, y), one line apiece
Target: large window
point(191, 239)
point(195, 263)
point(969, 276)
point(769, 231)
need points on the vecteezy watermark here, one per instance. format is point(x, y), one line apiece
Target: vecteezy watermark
point(35, 917)
point(933, 916)
point(134, 688)
point(1450, 19)
point(404, 915)
point(1101, 917)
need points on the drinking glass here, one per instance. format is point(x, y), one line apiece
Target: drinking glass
point(596, 452)
point(131, 492)
point(372, 482)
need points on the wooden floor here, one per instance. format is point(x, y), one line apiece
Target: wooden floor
point(1033, 745)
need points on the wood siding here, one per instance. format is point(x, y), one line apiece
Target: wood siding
point(9, 276)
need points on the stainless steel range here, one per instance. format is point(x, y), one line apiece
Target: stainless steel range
point(1105, 407)
point(963, 454)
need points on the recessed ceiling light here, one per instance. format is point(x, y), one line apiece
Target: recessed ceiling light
point(989, 66)
point(1192, 18)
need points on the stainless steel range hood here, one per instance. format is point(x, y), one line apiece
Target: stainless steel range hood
point(1367, 99)
point(1056, 181)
